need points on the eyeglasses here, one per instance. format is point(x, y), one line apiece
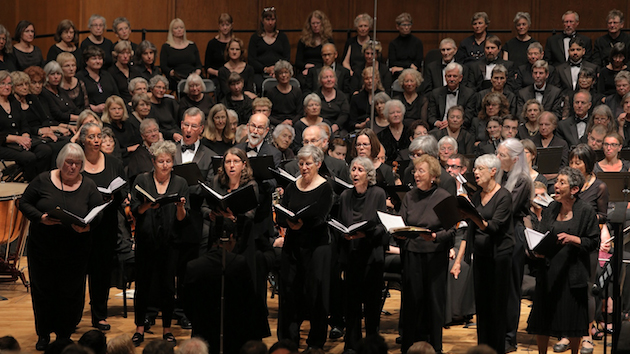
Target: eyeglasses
point(6, 84)
point(363, 145)
point(453, 167)
point(233, 162)
point(260, 128)
point(480, 168)
point(309, 142)
point(188, 125)
point(614, 145)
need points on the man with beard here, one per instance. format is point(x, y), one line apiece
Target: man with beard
point(568, 72)
point(263, 228)
point(480, 71)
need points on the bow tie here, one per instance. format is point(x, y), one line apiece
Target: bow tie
point(248, 149)
point(569, 35)
point(188, 147)
point(581, 120)
point(449, 92)
point(578, 64)
point(539, 90)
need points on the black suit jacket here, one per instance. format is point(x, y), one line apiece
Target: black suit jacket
point(524, 76)
point(510, 96)
point(476, 78)
point(564, 74)
point(554, 49)
point(203, 159)
point(552, 99)
point(265, 149)
point(466, 98)
point(433, 76)
point(312, 80)
point(567, 130)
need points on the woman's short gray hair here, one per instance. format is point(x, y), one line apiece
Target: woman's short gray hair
point(135, 81)
point(396, 103)
point(415, 74)
point(71, 150)
point(311, 151)
point(500, 68)
point(364, 17)
point(146, 124)
point(381, 97)
point(283, 65)
point(523, 15)
point(447, 140)
point(280, 128)
point(163, 147)
point(156, 79)
point(574, 176)
point(427, 144)
point(490, 161)
point(83, 133)
point(194, 78)
point(97, 17)
point(312, 97)
point(52, 68)
point(369, 168)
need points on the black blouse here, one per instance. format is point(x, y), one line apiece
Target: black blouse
point(165, 113)
point(107, 46)
point(60, 104)
point(417, 210)
point(122, 82)
point(261, 54)
point(24, 60)
point(215, 54)
point(285, 106)
point(314, 231)
point(597, 196)
point(337, 110)
point(393, 146)
point(99, 91)
point(248, 80)
point(354, 208)
point(183, 61)
point(498, 236)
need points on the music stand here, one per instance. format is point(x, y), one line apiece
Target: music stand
point(618, 186)
point(549, 159)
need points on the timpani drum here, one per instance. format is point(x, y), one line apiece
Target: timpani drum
point(13, 229)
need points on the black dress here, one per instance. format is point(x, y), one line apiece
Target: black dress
point(393, 146)
point(360, 108)
point(337, 110)
point(54, 51)
point(57, 255)
point(243, 108)
point(33, 161)
point(414, 110)
point(186, 102)
point(98, 91)
point(107, 46)
point(248, 80)
point(60, 104)
point(363, 261)
point(285, 106)
point(24, 60)
point(560, 305)
point(157, 233)
point(126, 135)
point(215, 55)
point(165, 113)
point(492, 250)
point(78, 95)
point(183, 61)
point(305, 266)
point(105, 239)
point(122, 82)
point(425, 269)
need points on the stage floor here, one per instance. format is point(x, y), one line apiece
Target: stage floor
point(16, 319)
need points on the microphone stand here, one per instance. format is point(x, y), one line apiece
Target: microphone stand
point(373, 67)
point(223, 241)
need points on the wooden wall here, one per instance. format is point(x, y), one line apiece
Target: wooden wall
point(203, 14)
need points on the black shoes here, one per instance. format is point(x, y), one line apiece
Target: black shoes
point(102, 326)
point(137, 339)
point(184, 323)
point(42, 343)
point(336, 333)
point(169, 337)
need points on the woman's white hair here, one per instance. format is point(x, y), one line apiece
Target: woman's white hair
point(520, 170)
